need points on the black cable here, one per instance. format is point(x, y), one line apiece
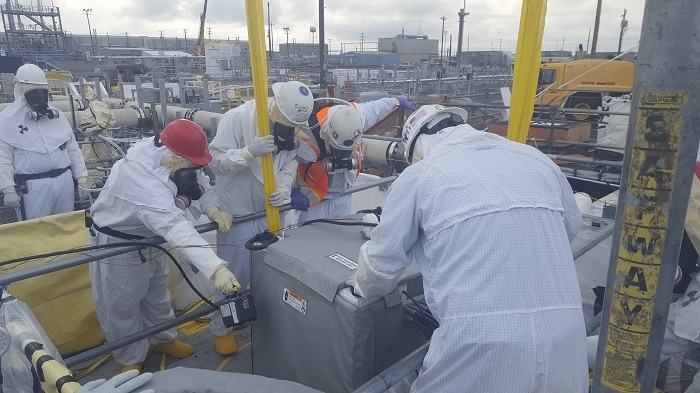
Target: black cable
point(420, 308)
point(337, 222)
point(117, 245)
point(431, 322)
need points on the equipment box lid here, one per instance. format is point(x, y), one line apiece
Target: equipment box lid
point(322, 256)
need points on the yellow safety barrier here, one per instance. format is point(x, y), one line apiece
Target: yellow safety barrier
point(258, 65)
point(62, 301)
point(527, 68)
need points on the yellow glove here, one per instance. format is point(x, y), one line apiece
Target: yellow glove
point(224, 280)
point(220, 217)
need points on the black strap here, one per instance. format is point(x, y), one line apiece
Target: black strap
point(118, 234)
point(64, 380)
point(21, 178)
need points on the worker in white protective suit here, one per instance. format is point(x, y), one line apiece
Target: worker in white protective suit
point(39, 156)
point(237, 149)
point(145, 195)
point(330, 158)
point(488, 222)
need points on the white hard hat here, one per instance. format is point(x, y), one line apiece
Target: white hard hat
point(30, 74)
point(428, 120)
point(294, 100)
point(342, 127)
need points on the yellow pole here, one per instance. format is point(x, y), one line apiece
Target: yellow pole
point(258, 66)
point(527, 68)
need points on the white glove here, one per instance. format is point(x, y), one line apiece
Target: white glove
point(220, 217)
point(224, 280)
point(83, 188)
point(279, 197)
point(12, 198)
point(121, 383)
point(366, 229)
point(261, 146)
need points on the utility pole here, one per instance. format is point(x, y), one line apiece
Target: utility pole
point(362, 42)
point(87, 12)
point(185, 31)
point(588, 43)
point(321, 44)
point(442, 51)
point(623, 30)
point(286, 31)
point(162, 42)
point(562, 42)
point(269, 29)
point(209, 31)
point(657, 175)
point(461, 15)
point(596, 29)
point(127, 39)
point(500, 54)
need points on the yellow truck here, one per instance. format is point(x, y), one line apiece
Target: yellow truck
point(582, 84)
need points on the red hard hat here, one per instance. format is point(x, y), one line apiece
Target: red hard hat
point(186, 139)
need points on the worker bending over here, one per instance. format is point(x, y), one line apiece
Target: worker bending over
point(237, 149)
point(39, 156)
point(488, 221)
point(331, 156)
point(140, 200)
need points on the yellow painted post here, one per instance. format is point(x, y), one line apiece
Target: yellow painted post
point(527, 68)
point(258, 65)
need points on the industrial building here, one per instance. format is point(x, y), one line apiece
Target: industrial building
point(486, 59)
point(363, 59)
point(296, 49)
point(411, 48)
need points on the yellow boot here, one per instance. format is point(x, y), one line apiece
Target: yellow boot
point(175, 348)
point(137, 366)
point(226, 344)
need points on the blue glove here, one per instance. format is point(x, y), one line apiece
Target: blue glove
point(404, 103)
point(299, 200)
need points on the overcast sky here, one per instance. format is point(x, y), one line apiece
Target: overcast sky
point(489, 22)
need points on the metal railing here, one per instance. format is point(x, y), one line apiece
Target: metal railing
point(9, 278)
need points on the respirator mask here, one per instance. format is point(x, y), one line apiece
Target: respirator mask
point(285, 138)
point(38, 100)
point(341, 159)
point(188, 189)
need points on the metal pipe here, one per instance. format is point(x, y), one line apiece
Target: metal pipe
point(597, 239)
point(587, 161)
point(662, 146)
point(572, 143)
point(396, 372)
point(102, 350)
point(8, 278)
point(381, 138)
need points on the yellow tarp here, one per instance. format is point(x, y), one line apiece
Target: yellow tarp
point(527, 68)
point(62, 301)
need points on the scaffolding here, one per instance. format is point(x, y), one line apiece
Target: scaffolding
point(35, 32)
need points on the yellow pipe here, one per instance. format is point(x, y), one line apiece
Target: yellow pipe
point(258, 66)
point(527, 68)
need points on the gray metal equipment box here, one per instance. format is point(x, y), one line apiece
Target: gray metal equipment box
point(311, 329)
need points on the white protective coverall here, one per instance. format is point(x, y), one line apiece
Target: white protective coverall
point(487, 221)
point(38, 146)
point(239, 186)
point(138, 199)
point(336, 203)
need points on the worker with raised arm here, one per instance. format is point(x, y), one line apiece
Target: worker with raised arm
point(331, 156)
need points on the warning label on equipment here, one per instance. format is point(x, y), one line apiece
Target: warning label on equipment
point(294, 300)
point(345, 261)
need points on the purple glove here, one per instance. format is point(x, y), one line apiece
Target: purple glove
point(299, 200)
point(404, 103)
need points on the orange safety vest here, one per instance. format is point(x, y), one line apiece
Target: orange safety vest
point(311, 178)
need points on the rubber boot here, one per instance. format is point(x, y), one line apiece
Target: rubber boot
point(226, 344)
point(137, 366)
point(175, 348)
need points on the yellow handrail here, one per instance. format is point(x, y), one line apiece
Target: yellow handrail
point(258, 65)
point(527, 68)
